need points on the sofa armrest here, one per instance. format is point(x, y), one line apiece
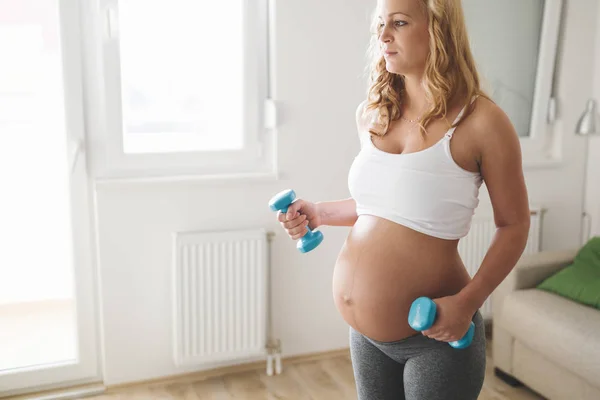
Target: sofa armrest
point(530, 270)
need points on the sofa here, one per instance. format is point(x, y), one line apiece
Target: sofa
point(545, 341)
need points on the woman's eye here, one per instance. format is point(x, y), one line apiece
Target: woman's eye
point(396, 24)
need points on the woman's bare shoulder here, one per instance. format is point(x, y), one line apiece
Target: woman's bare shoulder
point(487, 116)
point(492, 132)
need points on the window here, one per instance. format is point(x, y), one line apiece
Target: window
point(507, 59)
point(184, 88)
point(517, 66)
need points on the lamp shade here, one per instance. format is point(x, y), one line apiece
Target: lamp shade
point(587, 122)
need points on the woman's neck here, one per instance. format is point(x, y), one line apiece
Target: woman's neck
point(415, 102)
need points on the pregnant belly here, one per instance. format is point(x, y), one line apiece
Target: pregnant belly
point(383, 267)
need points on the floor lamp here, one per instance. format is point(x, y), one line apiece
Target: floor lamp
point(586, 127)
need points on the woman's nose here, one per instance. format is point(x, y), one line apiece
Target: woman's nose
point(385, 36)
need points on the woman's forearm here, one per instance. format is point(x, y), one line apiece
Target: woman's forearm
point(338, 212)
point(504, 252)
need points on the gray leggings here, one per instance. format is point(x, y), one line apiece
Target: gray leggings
point(418, 367)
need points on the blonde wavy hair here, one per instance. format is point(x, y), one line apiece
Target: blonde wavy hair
point(450, 70)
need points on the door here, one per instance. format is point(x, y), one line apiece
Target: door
point(47, 315)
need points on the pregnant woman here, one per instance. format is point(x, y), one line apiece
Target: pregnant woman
point(429, 138)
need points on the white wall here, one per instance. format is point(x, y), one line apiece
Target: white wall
point(319, 66)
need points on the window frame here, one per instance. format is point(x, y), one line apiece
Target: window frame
point(103, 93)
point(540, 147)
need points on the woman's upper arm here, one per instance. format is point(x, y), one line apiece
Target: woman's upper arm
point(501, 166)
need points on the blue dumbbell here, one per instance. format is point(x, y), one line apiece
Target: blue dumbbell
point(422, 316)
point(280, 202)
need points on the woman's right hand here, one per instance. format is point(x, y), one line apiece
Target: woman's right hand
point(300, 215)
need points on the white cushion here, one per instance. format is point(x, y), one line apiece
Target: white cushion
point(564, 331)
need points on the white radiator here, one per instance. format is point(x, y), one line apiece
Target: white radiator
point(219, 296)
point(473, 247)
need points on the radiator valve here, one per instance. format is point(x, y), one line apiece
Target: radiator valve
point(274, 357)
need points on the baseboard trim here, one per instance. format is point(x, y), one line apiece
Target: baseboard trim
point(223, 371)
point(75, 392)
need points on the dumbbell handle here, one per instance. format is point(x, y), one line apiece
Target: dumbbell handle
point(309, 234)
point(422, 316)
point(281, 202)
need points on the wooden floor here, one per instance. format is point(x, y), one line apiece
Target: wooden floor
point(330, 378)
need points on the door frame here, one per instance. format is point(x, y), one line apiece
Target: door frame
point(87, 367)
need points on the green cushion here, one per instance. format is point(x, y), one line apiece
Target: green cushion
point(579, 281)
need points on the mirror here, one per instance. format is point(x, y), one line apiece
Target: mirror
point(513, 43)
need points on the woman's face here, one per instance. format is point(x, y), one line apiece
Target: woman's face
point(404, 35)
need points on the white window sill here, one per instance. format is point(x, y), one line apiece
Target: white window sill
point(542, 163)
point(192, 179)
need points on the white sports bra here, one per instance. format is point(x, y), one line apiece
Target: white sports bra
point(424, 190)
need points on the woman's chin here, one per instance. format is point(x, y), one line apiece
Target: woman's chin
point(393, 69)
point(392, 66)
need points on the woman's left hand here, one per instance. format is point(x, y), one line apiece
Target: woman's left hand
point(453, 317)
